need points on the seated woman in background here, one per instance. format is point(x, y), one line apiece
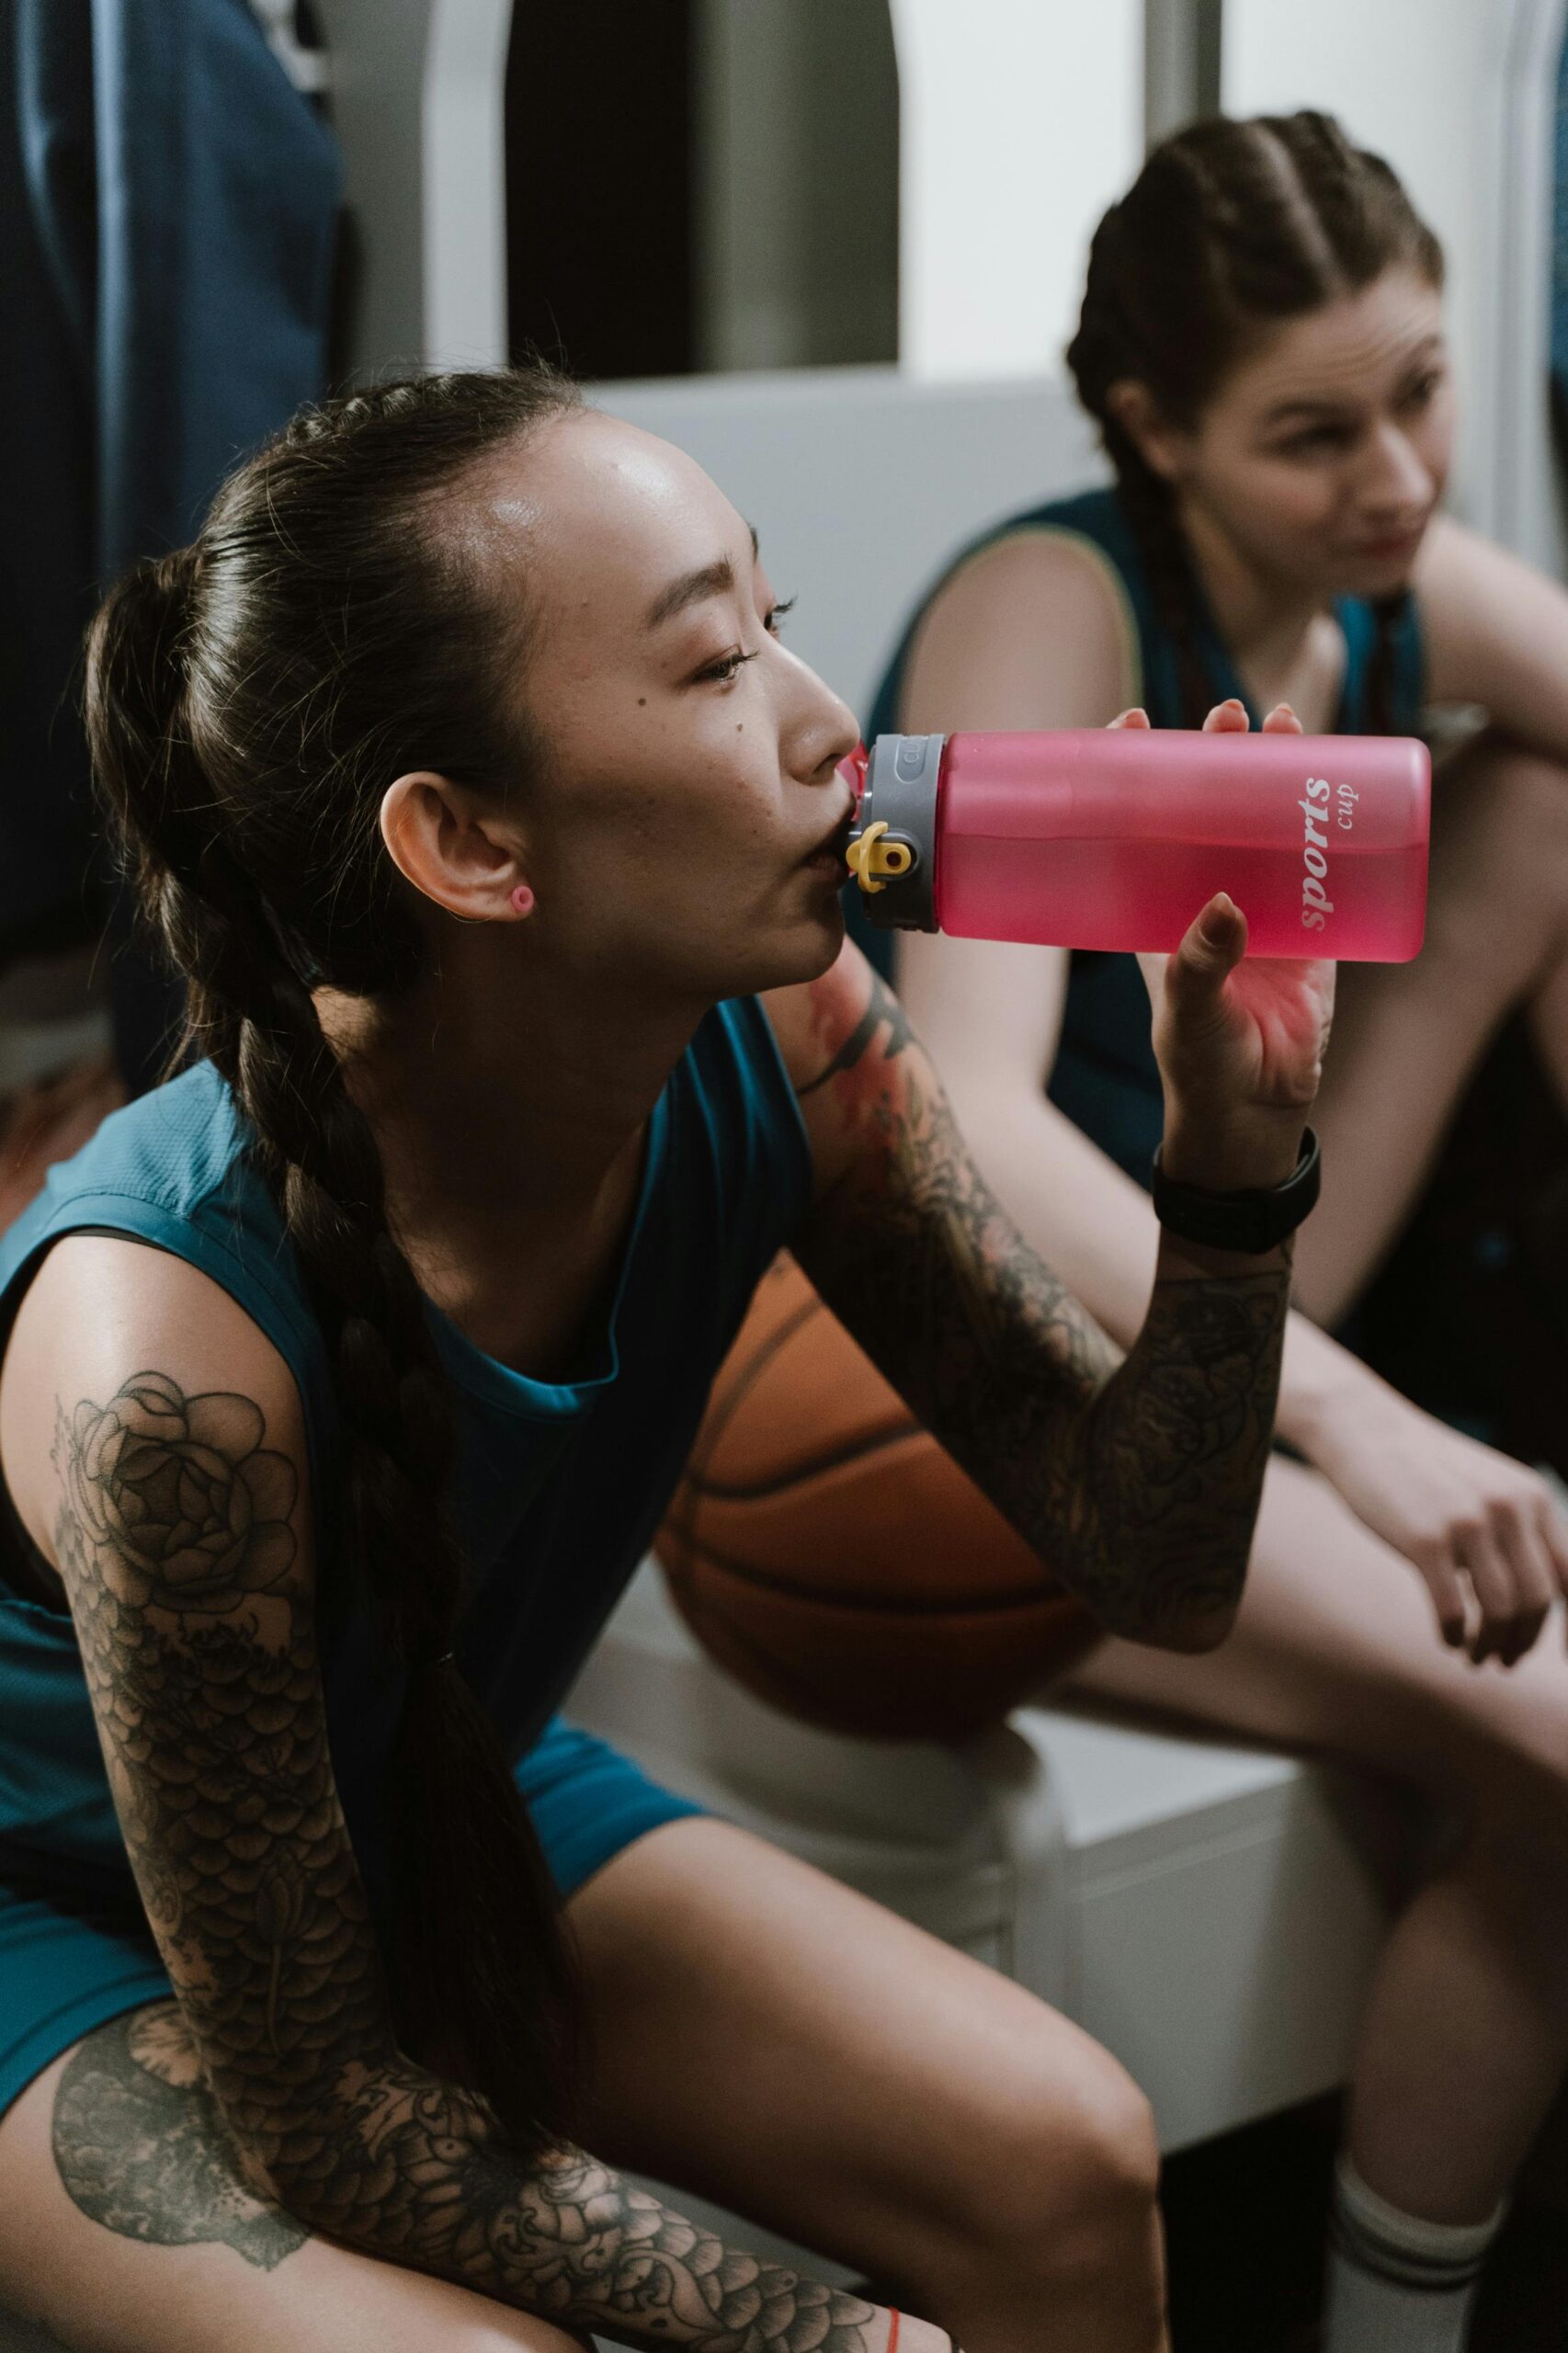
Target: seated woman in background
point(347, 1375)
point(1262, 344)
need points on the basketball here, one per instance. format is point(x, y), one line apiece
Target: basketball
point(826, 1550)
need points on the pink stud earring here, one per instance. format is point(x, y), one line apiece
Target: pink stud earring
point(522, 900)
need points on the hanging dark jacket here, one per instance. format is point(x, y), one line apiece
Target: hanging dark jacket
point(171, 205)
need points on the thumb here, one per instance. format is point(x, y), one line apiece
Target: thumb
point(1213, 947)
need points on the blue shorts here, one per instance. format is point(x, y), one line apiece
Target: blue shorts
point(68, 1964)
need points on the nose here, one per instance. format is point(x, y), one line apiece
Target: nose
point(1396, 479)
point(819, 730)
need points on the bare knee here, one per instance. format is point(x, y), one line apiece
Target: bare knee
point(1066, 2200)
point(1519, 794)
point(1505, 829)
point(1504, 1769)
point(110, 2157)
point(1095, 2183)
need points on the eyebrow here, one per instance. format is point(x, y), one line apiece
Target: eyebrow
point(1288, 411)
point(693, 587)
point(1422, 356)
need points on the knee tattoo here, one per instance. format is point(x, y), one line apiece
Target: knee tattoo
point(141, 2145)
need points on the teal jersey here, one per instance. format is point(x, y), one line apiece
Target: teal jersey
point(560, 1484)
point(1105, 1079)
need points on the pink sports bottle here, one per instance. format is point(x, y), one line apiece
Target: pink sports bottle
point(1115, 837)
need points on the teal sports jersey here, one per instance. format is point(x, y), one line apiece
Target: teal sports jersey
point(560, 1488)
point(1106, 1079)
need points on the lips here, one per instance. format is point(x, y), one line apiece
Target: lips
point(1397, 544)
point(831, 848)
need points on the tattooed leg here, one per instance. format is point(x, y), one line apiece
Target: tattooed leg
point(141, 2147)
point(165, 2285)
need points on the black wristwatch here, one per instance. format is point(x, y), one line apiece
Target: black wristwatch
point(1252, 1220)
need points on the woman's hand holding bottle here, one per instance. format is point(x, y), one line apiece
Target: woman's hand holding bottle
point(1239, 1044)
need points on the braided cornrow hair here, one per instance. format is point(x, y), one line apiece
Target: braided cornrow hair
point(249, 699)
point(1228, 224)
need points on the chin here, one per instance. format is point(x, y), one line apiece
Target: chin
point(807, 949)
point(1374, 581)
point(1377, 574)
point(821, 943)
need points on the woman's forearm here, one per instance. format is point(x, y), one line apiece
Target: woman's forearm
point(409, 2170)
point(1137, 1481)
point(1090, 1220)
point(1317, 1376)
point(1174, 1446)
point(1071, 1202)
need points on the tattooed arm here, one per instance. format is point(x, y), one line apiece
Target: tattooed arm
point(1136, 1479)
point(153, 1444)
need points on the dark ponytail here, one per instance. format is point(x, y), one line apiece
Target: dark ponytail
point(249, 701)
point(1228, 226)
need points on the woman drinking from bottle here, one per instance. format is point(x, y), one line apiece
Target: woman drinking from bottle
point(500, 841)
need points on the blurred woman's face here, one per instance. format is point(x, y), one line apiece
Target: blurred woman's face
point(686, 831)
point(1323, 454)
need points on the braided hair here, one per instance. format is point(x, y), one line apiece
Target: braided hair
point(1228, 225)
point(249, 698)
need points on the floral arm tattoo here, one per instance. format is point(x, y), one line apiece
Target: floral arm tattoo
point(175, 1540)
point(1136, 1480)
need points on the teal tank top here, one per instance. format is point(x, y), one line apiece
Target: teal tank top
point(1106, 1078)
point(560, 1484)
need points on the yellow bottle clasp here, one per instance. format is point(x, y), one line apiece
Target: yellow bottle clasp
point(875, 862)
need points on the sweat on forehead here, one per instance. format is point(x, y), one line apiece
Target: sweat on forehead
point(613, 521)
point(607, 472)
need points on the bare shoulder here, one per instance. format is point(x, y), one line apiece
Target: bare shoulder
point(1031, 631)
point(113, 1333)
point(814, 1020)
point(1055, 574)
point(1495, 629)
point(1460, 576)
point(850, 1054)
point(1453, 570)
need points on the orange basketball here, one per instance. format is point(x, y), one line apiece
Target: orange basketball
point(825, 1550)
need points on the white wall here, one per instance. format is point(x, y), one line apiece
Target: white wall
point(1021, 121)
point(796, 190)
point(862, 486)
point(416, 99)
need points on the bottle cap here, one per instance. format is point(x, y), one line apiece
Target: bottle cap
point(892, 844)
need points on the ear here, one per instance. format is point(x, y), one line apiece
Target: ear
point(1162, 446)
point(455, 848)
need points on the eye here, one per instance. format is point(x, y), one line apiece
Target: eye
point(1419, 394)
point(726, 670)
point(1314, 441)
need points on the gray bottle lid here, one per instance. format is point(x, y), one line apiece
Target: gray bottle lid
point(892, 845)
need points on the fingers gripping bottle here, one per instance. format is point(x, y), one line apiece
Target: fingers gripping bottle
point(1117, 837)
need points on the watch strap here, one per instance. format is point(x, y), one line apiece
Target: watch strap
point(1254, 1221)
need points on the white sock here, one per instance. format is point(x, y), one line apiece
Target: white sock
point(1397, 2284)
